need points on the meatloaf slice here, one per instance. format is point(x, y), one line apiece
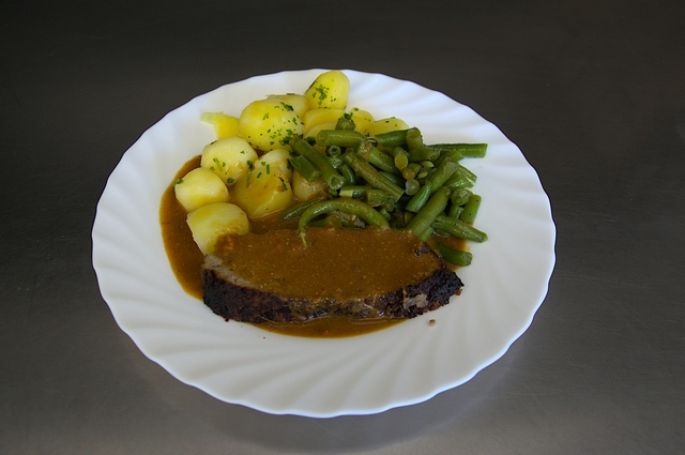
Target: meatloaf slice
point(349, 273)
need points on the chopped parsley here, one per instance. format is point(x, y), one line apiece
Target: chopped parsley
point(178, 181)
point(230, 180)
point(250, 164)
point(268, 168)
point(287, 106)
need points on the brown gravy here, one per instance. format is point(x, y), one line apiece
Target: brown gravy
point(383, 269)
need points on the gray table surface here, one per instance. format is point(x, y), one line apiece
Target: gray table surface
point(592, 92)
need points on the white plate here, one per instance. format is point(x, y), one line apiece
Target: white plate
point(404, 364)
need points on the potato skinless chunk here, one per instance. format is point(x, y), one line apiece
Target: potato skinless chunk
point(297, 102)
point(200, 187)
point(224, 125)
point(266, 188)
point(210, 222)
point(305, 190)
point(229, 158)
point(317, 116)
point(386, 125)
point(329, 89)
point(269, 124)
point(362, 120)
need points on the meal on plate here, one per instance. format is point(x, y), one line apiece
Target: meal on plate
point(306, 210)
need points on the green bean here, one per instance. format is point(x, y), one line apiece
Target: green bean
point(378, 198)
point(374, 156)
point(385, 213)
point(409, 172)
point(342, 138)
point(336, 161)
point(453, 256)
point(332, 178)
point(305, 168)
point(465, 150)
point(468, 216)
point(461, 170)
point(355, 191)
point(422, 175)
point(348, 174)
point(343, 204)
point(394, 178)
point(414, 139)
point(371, 175)
point(401, 159)
point(334, 150)
point(297, 209)
point(411, 187)
point(392, 139)
point(425, 235)
point(345, 123)
point(401, 219)
point(458, 181)
point(459, 229)
point(436, 180)
point(453, 155)
point(423, 154)
point(427, 164)
point(454, 212)
point(434, 207)
point(460, 196)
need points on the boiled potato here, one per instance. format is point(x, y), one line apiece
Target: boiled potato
point(386, 125)
point(305, 190)
point(229, 158)
point(266, 188)
point(210, 222)
point(297, 102)
point(317, 116)
point(224, 125)
point(200, 187)
point(268, 124)
point(276, 161)
point(362, 120)
point(329, 89)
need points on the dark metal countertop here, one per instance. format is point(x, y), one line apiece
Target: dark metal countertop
point(592, 92)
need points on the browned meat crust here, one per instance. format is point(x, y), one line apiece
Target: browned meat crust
point(231, 297)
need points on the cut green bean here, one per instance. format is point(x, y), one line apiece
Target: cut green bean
point(343, 204)
point(374, 156)
point(434, 207)
point(378, 198)
point(348, 174)
point(459, 229)
point(414, 139)
point(342, 138)
point(354, 191)
point(411, 187)
point(332, 178)
point(427, 164)
point(305, 168)
point(401, 158)
point(436, 180)
point(423, 154)
point(422, 175)
point(425, 235)
point(394, 178)
point(392, 138)
point(409, 172)
point(468, 216)
point(336, 161)
point(460, 196)
point(297, 209)
point(458, 181)
point(453, 256)
point(333, 150)
point(465, 150)
point(454, 212)
point(371, 175)
point(467, 173)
